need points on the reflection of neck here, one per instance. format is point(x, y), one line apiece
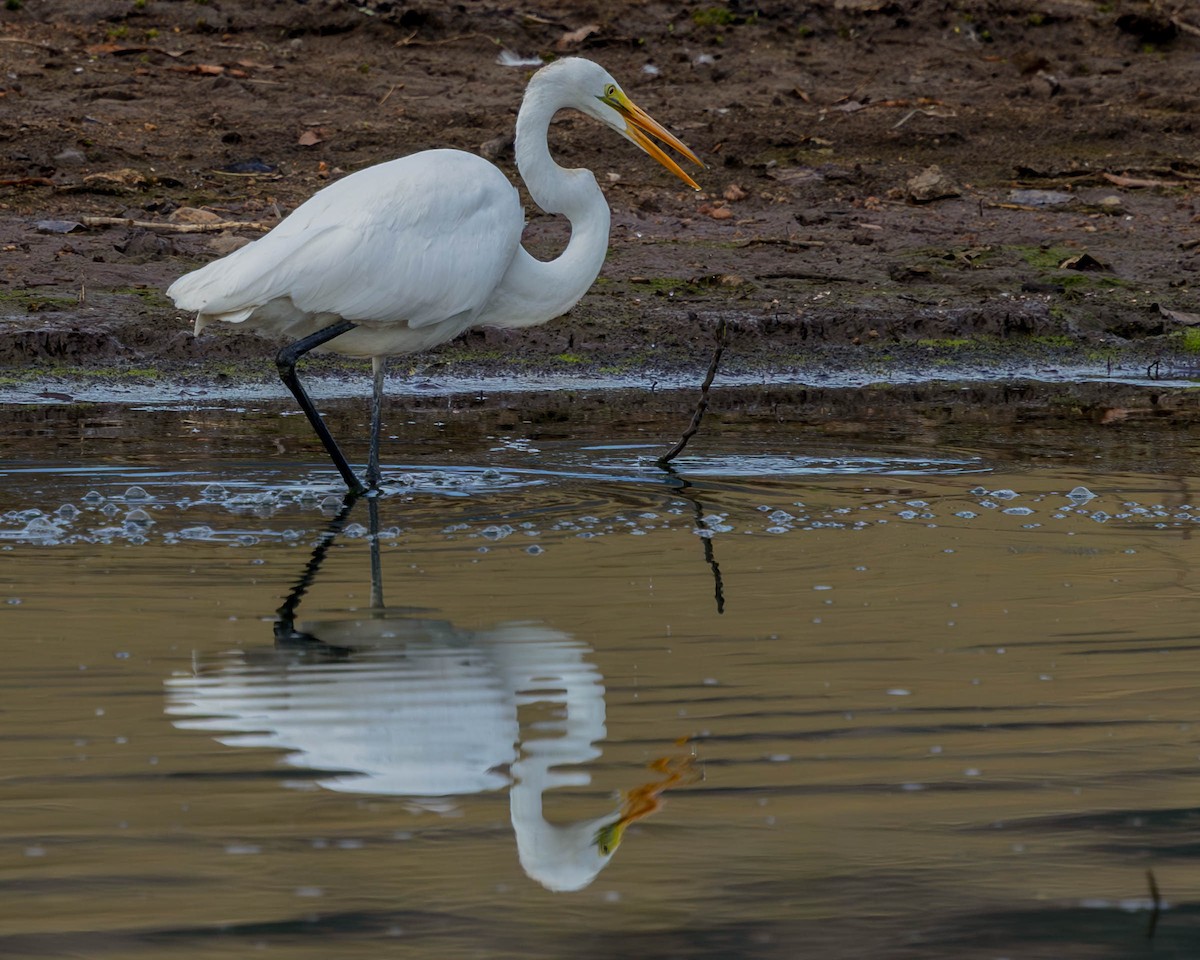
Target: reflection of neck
point(559, 856)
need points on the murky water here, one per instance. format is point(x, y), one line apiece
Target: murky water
point(906, 683)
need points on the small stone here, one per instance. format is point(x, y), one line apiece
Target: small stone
point(932, 184)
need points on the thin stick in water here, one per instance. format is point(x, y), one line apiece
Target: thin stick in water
point(702, 405)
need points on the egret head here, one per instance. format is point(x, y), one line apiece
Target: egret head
point(597, 94)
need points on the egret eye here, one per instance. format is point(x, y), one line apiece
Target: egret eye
point(610, 92)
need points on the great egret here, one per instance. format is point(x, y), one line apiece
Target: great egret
point(408, 254)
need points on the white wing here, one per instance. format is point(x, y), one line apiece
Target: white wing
point(416, 241)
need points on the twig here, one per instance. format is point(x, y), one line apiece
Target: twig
point(1135, 181)
point(161, 227)
point(28, 43)
point(1186, 27)
point(1156, 899)
point(779, 242)
point(702, 405)
point(412, 41)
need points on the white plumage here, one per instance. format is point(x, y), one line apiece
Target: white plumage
point(408, 254)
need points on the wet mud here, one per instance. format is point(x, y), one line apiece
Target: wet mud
point(1060, 224)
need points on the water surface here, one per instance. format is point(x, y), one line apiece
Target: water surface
point(899, 683)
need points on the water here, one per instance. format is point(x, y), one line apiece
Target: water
point(895, 680)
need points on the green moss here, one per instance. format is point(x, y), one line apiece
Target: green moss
point(949, 343)
point(110, 373)
point(570, 358)
point(1045, 258)
point(1051, 340)
point(713, 17)
point(1189, 340)
point(151, 296)
point(35, 301)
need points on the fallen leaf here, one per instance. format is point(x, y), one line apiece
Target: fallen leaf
point(1082, 261)
point(203, 69)
point(56, 226)
point(310, 138)
point(1178, 316)
point(717, 213)
point(733, 192)
point(193, 215)
point(576, 37)
point(124, 178)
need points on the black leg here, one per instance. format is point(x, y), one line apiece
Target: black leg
point(285, 360)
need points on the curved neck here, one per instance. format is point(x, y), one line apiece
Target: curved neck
point(534, 291)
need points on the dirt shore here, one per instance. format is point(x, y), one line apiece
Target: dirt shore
point(1064, 224)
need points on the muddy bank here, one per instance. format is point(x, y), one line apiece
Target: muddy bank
point(1063, 229)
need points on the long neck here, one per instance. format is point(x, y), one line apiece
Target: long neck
point(534, 291)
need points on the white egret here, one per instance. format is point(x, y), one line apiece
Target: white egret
point(408, 254)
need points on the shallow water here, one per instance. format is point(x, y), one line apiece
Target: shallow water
point(906, 684)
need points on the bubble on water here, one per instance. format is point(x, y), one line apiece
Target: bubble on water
point(355, 530)
point(491, 473)
point(13, 601)
point(907, 515)
point(138, 516)
point(92, 497)
point(1019, 511)
point(136, 493)
point(899, 692)
point(110, 510)
point(39, 528)
point(781, 516)
point(1081, 494)
point(68, 511)
point(966, 514)
point(1005, 494)
point(989, 504)
point(972, 772)
point(534, 549)
point(214, 491)
point(200, 532)
point(1100, 516)
point(496, 532)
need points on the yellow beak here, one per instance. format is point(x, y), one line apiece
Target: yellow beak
point(640, 127)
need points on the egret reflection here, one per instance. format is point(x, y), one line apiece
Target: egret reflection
point(386, 702)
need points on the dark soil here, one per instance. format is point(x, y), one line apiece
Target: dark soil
point(813, 119)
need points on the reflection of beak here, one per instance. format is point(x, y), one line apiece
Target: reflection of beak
point(640, 126)
point(608, 837)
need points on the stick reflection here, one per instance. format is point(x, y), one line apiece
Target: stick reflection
point(393, 704)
